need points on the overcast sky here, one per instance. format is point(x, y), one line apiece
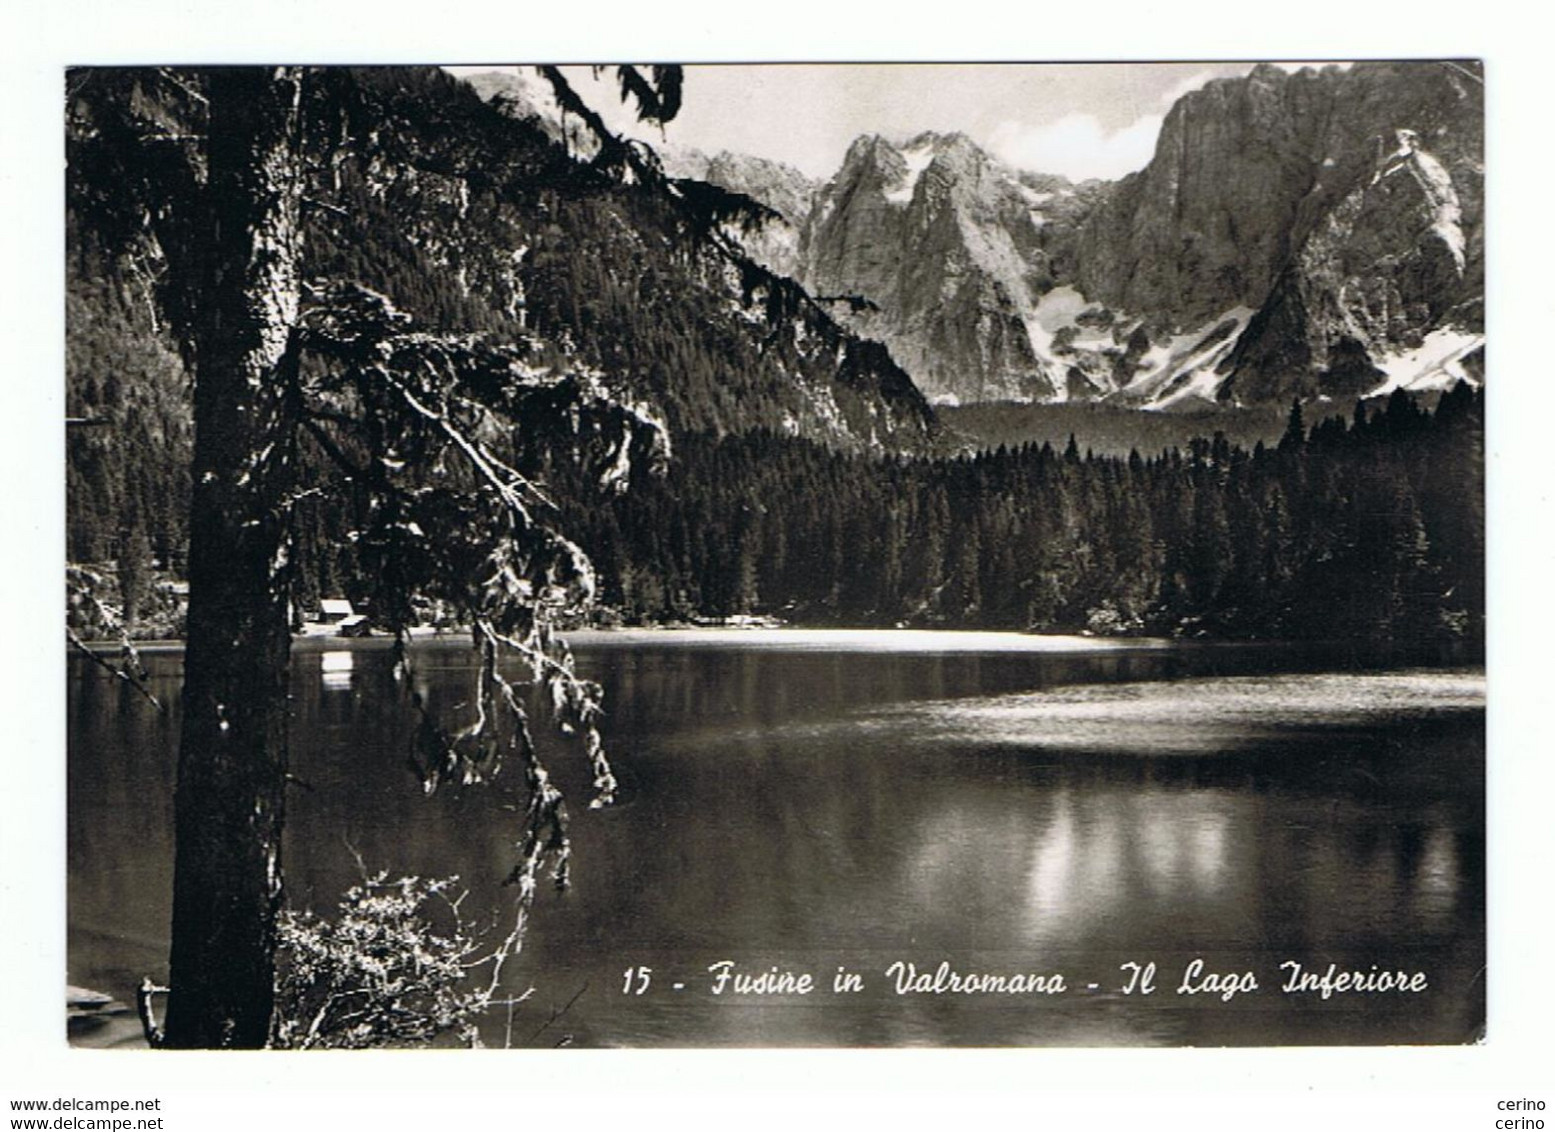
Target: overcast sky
point(1081, 120)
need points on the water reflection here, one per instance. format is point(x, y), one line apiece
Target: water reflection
point(335, 669)
point(1000, 811)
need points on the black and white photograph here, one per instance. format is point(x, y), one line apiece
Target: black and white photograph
point(740, 566)
point(775, 555)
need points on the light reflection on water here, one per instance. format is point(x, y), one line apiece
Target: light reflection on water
point(817, 808)
point(335, 669)
point(1184, 715)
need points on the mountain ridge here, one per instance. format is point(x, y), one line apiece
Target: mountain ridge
point(1309, 233)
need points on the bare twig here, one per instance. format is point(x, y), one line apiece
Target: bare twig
point(177, 80)
point(558, 1012)
point(132, 679)
point(489, 467)
point(324, 206)
point(1464, 71)
point(146, 1008)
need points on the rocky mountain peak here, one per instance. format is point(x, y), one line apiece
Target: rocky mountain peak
point(789, 193)
point(1317, 231)
point(781, 187)
point(521, 93)
point(952, 146)
point(936, 249)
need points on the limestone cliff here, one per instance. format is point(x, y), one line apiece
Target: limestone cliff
point(1344, 206)
point(942, 253)
point(1317, 232)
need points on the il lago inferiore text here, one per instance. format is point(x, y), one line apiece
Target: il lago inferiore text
point(908, 977)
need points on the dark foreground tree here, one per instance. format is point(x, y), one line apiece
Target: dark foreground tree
point(231, 796)
point(207, 203)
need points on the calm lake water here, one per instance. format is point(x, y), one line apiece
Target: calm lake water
point(1002, 804)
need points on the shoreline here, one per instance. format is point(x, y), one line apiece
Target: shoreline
point(1334, 654)
point(786, 637)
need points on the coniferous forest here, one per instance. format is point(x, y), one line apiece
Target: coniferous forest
point(1363, 527)
point(1366, 530)
point(358, 333)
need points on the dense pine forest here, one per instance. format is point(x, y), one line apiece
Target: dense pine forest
point(1367, 528)
point(470, 222)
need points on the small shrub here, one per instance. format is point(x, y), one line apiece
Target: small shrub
point(397, 966)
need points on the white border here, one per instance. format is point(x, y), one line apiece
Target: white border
point(1453, 1088)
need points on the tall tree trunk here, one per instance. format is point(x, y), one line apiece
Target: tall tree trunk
point(233, 750)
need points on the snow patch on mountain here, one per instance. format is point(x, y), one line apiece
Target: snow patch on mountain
point(1437, 363)
point(1435, 185)
point(1182, 370)
point(1034, 202)
point(917, 158)
point(1056, 310)
point(1434, 179)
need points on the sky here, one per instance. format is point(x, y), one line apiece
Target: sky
point(1081, 120)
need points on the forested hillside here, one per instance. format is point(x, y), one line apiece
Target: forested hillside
point(808, 478)
point(470, 222)
point(1369, 530)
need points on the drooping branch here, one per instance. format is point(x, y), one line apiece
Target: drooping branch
point(577, 700)
point(441, 423)
point(658, 96)
point(657, 101)
point(495, 475)
point(569, 101)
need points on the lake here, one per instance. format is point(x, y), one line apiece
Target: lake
point(961, 839)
